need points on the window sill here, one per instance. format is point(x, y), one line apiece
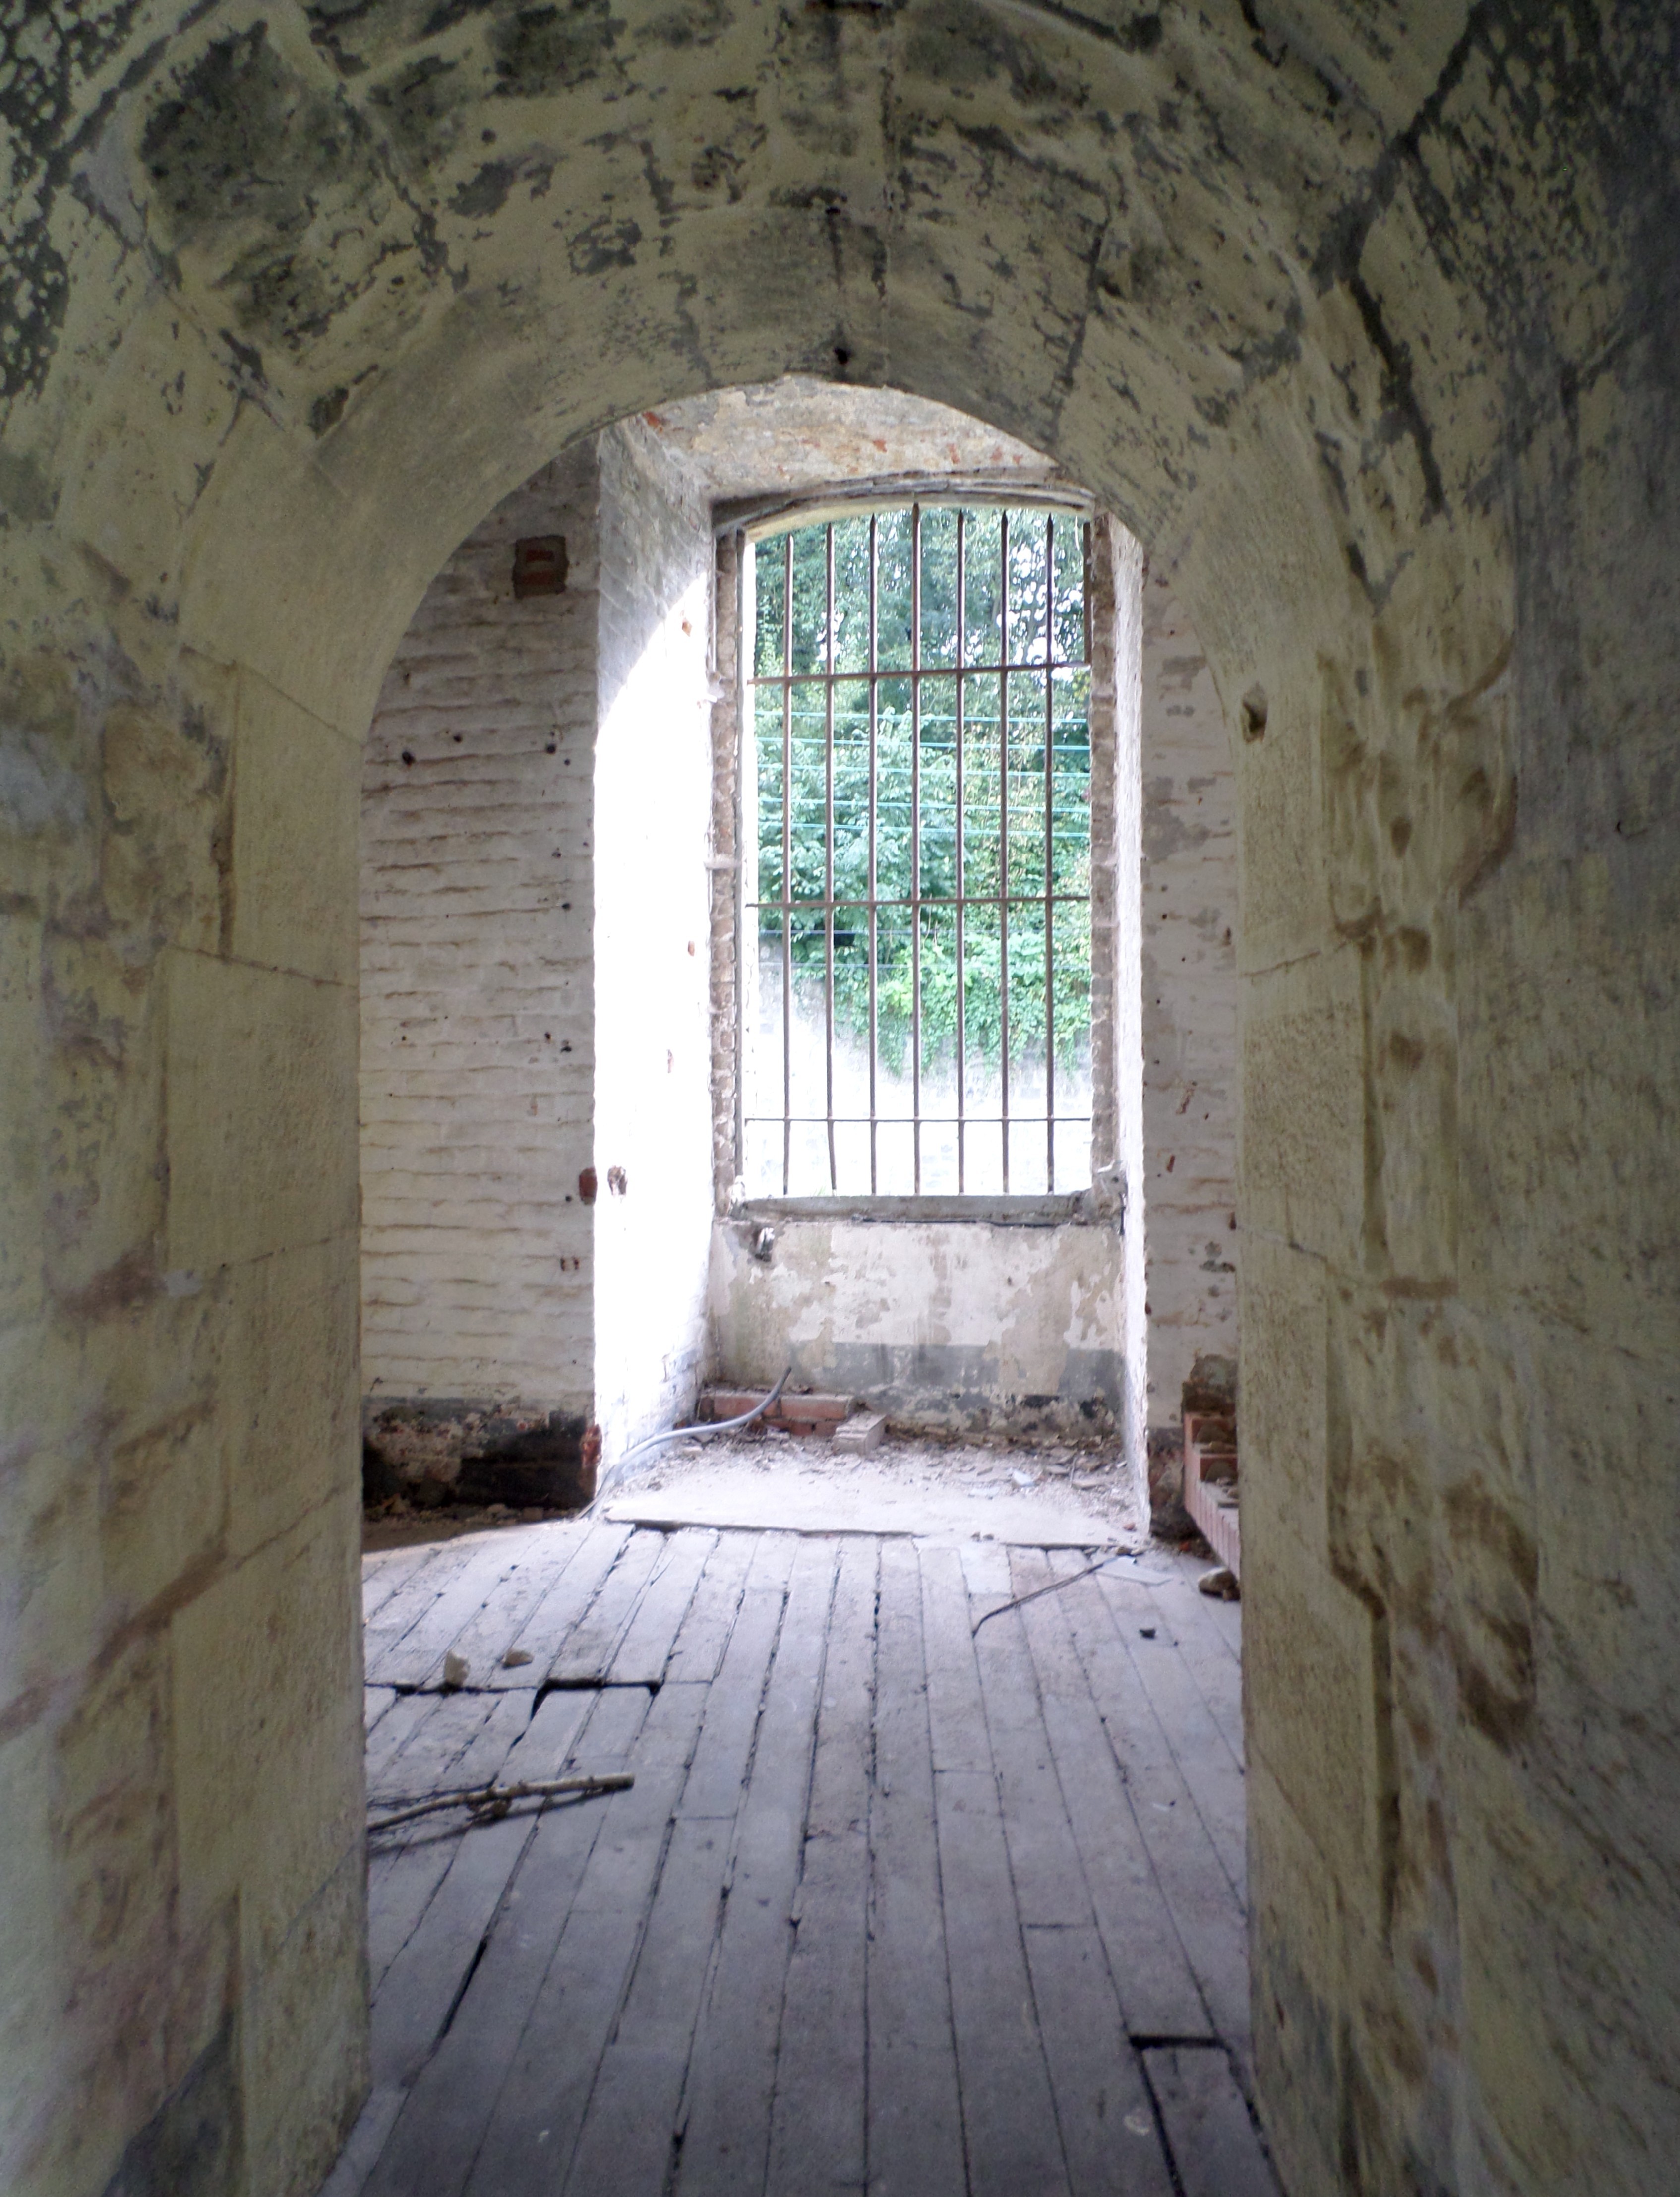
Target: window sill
point(1075, 1208)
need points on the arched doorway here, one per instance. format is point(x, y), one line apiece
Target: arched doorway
point(1368, 344)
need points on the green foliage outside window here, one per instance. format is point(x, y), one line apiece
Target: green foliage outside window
point(916, 773)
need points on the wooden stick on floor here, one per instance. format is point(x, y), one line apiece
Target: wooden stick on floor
point(489, 1802)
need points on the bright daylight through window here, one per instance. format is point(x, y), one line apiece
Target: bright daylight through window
point(916, 827)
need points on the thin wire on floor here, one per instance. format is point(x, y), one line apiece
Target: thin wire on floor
point(1073, 1579)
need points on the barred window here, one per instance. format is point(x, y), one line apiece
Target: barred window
point(916, 855)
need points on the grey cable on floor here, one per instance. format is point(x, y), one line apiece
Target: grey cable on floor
point(701, 1433)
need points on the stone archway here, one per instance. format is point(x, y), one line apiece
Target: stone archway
point(1369, 335)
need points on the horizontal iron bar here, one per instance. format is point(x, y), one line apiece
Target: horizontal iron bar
point(1022, 1209)
point(927, 671)
point(927, 899)
point(910, 1120)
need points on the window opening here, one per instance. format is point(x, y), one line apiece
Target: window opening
point(916, 829)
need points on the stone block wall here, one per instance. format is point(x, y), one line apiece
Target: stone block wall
point(1374, 339)
point(1190, 985)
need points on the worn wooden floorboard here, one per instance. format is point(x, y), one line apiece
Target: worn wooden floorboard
point(383, 1574)
point(392, 1732)
point(704, 1634)
point(586, 1655)
point(890, 1909)
point(1211, 1655)
point(417, 1659)
point(645, 1647)
point(453, 2082)
point(1043, 1853)
point(565, 1604)
point(817, 2119)
point(1212, 2140)
point(464, 1739)
point(629, 2127)
point(404, 1609)
point(592, 1944)
point(1108, 2134)
point(715, 1784)
point(629, 2123)
point(732, 2069)
point(449, 2111)
point(428, 1972)
point(914, 2109)
point(1210, 1924)
point(1210, 1770)
point(1009, 2124)
point(1158, 1991)
point(956, 1711)
point(488, 1635)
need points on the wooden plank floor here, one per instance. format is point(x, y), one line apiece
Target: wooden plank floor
point(894, 1906)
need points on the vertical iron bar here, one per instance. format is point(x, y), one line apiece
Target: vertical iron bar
point(1003, 841)
point(1049, 857)
point(746, 728)
point(874, 931)
point(916, 847)
point(1085, 532)
point(961, 881)
point(787, 864)
point(828, 854)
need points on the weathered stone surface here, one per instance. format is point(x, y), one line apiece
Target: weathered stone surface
point(1188, 908)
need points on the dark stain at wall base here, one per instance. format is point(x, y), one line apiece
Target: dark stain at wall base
point(951, 1388)
point(448, 1449)
point(1167, 1515)
point(194, 2146)
point(1210, 1387)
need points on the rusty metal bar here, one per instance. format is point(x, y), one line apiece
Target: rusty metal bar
point(816, 903)
point(916, 848)
point(962, 878)
point(1032, 664)
point(1085, 604)
point(857, 1121)
point(1003, 838)
point(787, 867)
point(1049, 852)
point(874, 881)
point(828, 848)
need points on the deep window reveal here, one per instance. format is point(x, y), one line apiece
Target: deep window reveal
point(916, 807)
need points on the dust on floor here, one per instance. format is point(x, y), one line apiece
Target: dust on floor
point(1047, 1495)
point(985, 1488)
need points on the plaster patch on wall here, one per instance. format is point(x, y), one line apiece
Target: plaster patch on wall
point(941, 1325)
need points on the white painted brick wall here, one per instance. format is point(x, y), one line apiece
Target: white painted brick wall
point(1190, 1006)
point(530, 1004)
point(476, 1052)
point(652, 916)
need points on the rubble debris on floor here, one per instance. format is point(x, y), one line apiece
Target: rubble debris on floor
point(1049, 1494)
